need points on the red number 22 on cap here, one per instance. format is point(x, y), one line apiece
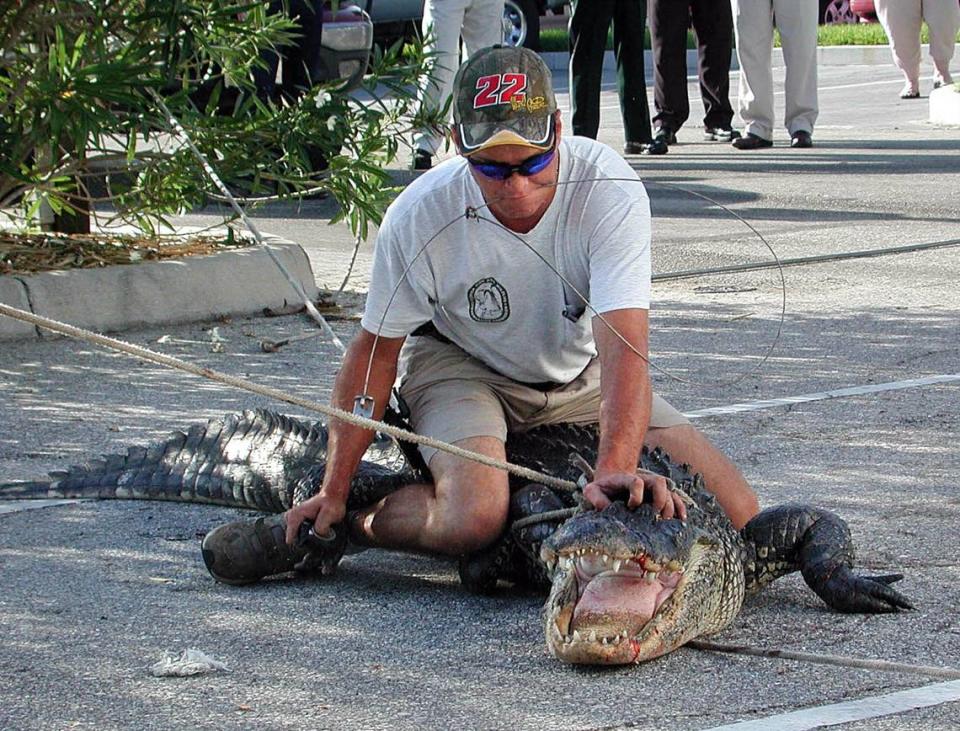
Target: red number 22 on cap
point(499, 89)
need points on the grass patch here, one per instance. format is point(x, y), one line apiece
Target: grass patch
point(853, 34)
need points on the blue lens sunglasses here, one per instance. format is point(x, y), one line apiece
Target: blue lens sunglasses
point(503, 171)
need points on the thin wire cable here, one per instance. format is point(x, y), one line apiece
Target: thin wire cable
point(181, 133)
point(472, 212)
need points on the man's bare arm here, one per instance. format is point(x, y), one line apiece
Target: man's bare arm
point(348, 442)
point(625, 402)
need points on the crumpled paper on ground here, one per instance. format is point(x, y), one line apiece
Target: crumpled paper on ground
point(188, 662)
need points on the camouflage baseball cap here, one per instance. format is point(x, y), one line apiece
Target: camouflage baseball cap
point(504, 96)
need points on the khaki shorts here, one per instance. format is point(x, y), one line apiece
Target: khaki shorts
point(453, 396)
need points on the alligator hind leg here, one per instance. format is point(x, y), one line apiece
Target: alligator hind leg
point(818, 544)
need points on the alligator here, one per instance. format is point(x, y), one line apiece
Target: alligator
point(624, 585)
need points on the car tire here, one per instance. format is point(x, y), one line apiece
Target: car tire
point(521, 23)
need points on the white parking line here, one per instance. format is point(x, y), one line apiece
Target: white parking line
point(849, 711)
point(820, 396)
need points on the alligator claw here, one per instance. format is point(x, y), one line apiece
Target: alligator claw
point(848, 592)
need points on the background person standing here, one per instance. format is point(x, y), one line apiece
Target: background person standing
point(589, 22)
point(753, 24)
point(480, 24)
point(713, 25)
point(901, 20)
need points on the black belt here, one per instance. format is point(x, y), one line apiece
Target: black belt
point(429, 330)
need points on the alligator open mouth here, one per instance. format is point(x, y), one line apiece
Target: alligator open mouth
point(607, 606)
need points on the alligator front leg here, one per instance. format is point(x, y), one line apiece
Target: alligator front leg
point(817, 543)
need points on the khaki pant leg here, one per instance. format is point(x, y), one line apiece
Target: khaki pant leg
point(442, 20)
point(943, 19)
point(753, 29)
point(901, 21)
point(797, 23)
point(482, 25)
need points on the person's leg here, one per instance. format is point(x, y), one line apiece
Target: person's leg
point(589, 23)
point(713, 24)
point(797, 23)
point(668, 36)
point(482, 25)
point(943, 20)
point(442, 20)
point(901, 22)
point(265, 77)
point(463, 511)
point(629, 22)
point(684, 443)
point(753, 29)
point(302, 59)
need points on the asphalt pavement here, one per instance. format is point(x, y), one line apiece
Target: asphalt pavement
point(846, 359)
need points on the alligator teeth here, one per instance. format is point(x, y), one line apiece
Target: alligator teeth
point(674, 565)
point(576, 636)
point(604, 641)
point(616, 564)
point(651, 566)
point(605, 558)
point(593, 636)
point(650, 576)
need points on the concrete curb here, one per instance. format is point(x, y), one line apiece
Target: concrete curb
point(240, 282)
point(826, 56)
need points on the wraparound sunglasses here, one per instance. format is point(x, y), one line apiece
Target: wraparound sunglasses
point(502, 171)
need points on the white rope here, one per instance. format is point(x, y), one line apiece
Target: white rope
point(330, 411)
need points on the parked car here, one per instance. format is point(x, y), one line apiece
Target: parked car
point(393, 19)
point(345, 42)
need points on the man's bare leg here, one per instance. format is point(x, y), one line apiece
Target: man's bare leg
point(685, 443)
point(464, 511)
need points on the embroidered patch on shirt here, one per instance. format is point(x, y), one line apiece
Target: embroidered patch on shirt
point(488, 301)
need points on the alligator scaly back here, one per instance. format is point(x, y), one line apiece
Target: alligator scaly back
point(256, 459)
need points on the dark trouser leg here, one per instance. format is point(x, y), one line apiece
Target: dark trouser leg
point(302, 59)
point(301, 63)
point(629, 21)
point(589, 23)
point(713, 23)
point(669, 20)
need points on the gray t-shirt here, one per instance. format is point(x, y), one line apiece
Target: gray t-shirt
point(488, 289)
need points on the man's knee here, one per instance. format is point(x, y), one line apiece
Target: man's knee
point(469, 522)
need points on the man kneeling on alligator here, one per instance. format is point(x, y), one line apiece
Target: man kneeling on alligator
point(489, 339)
point(522, 319)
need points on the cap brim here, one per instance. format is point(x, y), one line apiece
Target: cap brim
point(533, 132)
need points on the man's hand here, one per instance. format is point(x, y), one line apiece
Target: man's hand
point(321, 510)
point(599, 493)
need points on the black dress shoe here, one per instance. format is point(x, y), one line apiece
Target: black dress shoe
point(801, 138)
point(667, 135)
point(720, 134)
point(750, 141)
point(659, 146)
point(422, 160)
